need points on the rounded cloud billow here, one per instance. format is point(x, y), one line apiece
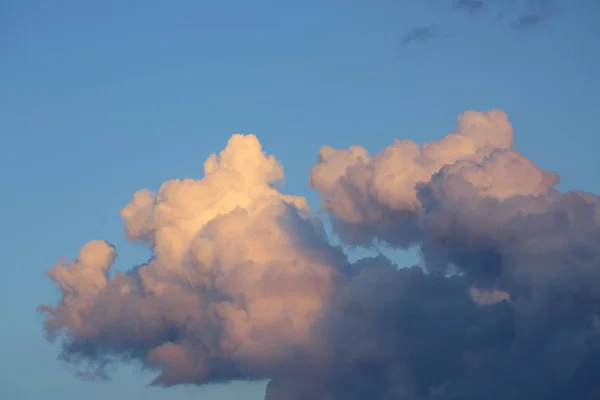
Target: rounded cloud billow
point(244, 283)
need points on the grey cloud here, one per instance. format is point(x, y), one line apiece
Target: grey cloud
point(419, 35)
point(399, 334)
point(517, 14)
point(535, 12)
point(471, 6)
point(493, 220)
point(529, 20)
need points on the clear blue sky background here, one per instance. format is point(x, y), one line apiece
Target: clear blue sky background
point(101, 98)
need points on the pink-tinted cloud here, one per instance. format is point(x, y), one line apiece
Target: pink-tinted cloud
point(243, 283)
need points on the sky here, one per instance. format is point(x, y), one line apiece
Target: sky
point(101, 99)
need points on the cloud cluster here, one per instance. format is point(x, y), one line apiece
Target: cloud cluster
point(522, 13)
point(516, 14)
point(480, 211)
point(244, 284)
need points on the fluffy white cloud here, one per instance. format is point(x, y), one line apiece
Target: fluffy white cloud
point(239, 272)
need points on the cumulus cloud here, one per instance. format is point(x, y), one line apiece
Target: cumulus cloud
point(480, 210)
point(361, 190)
point(244, 283)
point(238, 276)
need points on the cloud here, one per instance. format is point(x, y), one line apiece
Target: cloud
point(399, 334)
point(238, 276)
point(362, 190)
point(479, 210)
point(244, 283)
point(535, 12)
point(527, 20)
point(471, 6)
point(516, 14)
point(419, 35)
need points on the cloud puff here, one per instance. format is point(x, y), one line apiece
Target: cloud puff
point(238, 276)
point(363, 190)
point(243, 283)
point(467, 195)
point(479, 210)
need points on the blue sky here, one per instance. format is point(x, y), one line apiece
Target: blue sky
point(100, 99)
